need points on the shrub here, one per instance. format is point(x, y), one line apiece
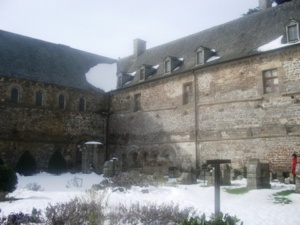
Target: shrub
point(21, 218)
point(8, 179)
point(34, 187)
point(27, 164)
point(78, 211)
point(149, 213)
point(75, 182)
point(219, 219)
point(57, 164)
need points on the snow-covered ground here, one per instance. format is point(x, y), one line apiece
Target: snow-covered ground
point(256, 207)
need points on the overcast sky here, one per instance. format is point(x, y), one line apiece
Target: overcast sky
point(109, 27)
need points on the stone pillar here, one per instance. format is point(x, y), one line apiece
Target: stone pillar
point(112, 167)
point(93, 156)
point(258, 174)
point(225, 179)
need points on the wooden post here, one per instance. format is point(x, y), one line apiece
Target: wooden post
point(216, 163)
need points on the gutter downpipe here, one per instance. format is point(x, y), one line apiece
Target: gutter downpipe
point(197, 154)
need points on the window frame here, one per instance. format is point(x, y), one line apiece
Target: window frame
point(187, 95)
point(82, 105)
point(137, 102)
point(142, 74)
point(290, 25)
point(39, 98)
point(63, 105)
point(199, 52)
point(167, 66)
point(274, 87)
point(15, 95)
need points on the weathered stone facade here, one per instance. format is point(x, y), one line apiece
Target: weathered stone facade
point(47, 128)
point(229, 114)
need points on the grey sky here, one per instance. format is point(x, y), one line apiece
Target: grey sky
point(108, 27)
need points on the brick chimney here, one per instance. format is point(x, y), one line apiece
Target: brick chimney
point(264, 4)
point(139, 47)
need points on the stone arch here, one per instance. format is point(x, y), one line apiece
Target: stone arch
point(167, 156)
point(14, 89)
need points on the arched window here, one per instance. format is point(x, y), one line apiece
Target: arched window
point(81, 104)
point(14, 95)
point(61, 101)
point(39, 98)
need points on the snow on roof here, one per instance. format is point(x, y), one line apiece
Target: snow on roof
point(103, 76)
point(275, 44)
point(93, 143)
point(213, 58)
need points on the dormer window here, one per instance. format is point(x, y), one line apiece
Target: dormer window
point(292, 31)
point(167, 66)
point(203, 54)
point(200, 57)
point(172, 63)
point(142, 74)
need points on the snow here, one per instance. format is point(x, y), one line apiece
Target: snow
point(255, 207)
point(275, 44)
point(103, 76)
point(93, 143)
point(213, 58)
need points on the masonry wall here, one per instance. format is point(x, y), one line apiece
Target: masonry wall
point(161, 134)
point(238, 121)
point(45, 129)
point(234, 118)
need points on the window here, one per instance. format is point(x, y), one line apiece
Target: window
point(81, 104)
point(14, 95)
point(142, 74)
point(137, 102)
point(200, 57)
point(61, 101)
point(187, 93)
point(39, 98)
point(292, 31)
point(270, 81)
point(167, 66)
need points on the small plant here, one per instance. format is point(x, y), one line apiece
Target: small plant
point(78, 211)
point(21, 218)
point(219, 219)
point(8, 179)
point(34, 187)
point(75, 182)
point(237, 191)
point(280, 197)
point(26, 165)
point(57, 163)
point(149, 213)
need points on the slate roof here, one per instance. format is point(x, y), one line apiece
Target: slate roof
point(233, 40)
point(36, 60)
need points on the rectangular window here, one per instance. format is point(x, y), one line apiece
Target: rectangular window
point(39, 98)
point(167, 66)
point(142, 74)
point(61, 101)
point(293, 34)
point(137, 102)
point(270, 81)
point(187, 93)
point(200, 58)
point(81, 104)
point(14, 95)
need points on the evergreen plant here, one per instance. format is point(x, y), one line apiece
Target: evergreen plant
point(26, 165)
point(57, 163)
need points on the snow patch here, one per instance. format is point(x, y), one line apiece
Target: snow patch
point(93, 143)
point(213, 58)
point(103, 76)
point(275, 44)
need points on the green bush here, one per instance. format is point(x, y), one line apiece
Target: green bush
point(26, 165)
point(219, 219)
point(57, 164)
point(8, 179)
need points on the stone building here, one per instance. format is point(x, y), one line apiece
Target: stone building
point(222, 93)
point(228, 92)
point(46, 104)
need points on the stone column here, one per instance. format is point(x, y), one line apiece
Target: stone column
point(258, 174)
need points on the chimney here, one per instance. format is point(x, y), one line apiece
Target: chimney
point(264, 4)
point(139, 47)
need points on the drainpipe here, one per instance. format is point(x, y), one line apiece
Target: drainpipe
point(196, 121)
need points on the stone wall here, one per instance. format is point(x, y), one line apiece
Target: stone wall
point(44, 129)
point(229, 114)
